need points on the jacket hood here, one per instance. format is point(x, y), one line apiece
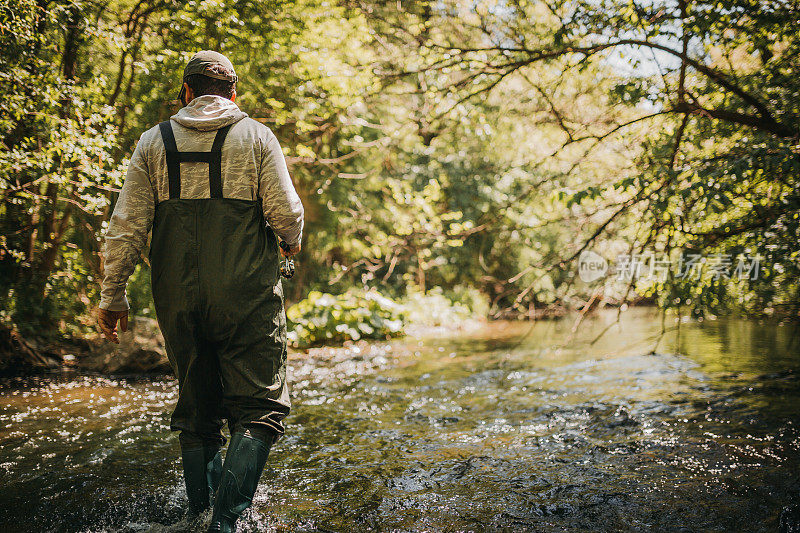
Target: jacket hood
point(209, 112)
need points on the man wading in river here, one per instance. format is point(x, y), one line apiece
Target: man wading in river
point(205, 181)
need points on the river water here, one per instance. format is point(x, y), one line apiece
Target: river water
point(513, 427)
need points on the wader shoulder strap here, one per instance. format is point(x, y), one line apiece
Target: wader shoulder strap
point(215, 163)
point(173, 162)
point(175, 158)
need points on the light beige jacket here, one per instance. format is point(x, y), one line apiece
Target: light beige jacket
point(253, 166)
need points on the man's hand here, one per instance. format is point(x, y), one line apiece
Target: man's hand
point(108, 323)
point(292, 250)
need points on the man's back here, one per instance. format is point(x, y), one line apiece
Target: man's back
point(252, 167)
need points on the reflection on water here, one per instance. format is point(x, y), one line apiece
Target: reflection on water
point(517, 427)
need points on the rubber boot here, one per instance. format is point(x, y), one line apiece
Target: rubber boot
point(202, 469)
point(244, 463)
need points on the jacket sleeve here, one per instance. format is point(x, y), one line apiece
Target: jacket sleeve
point(126, 236)
point(282, 207)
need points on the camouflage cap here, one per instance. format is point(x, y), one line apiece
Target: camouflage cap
point(211, 64)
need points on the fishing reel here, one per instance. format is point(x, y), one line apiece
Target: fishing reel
point(287, 267)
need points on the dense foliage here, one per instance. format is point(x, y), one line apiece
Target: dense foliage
point(351, 316)
point(468, 146)
point(699, 99)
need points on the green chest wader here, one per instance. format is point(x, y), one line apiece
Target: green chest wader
point(219, 302)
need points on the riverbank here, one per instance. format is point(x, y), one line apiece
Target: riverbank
point(141, 350)
point(320, 319)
